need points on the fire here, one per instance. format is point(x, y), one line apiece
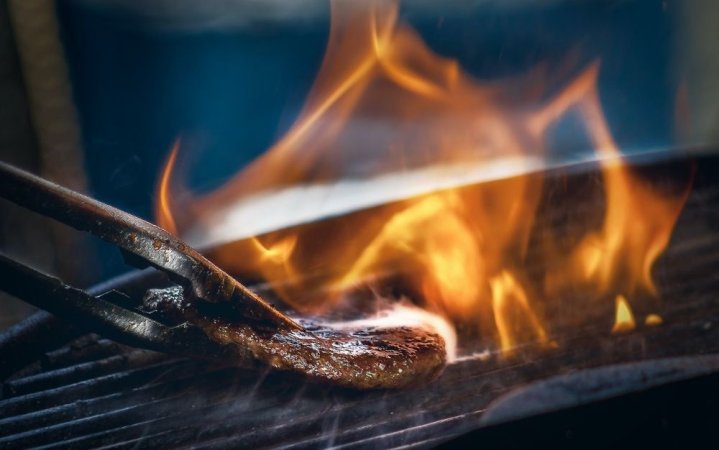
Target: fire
point(448, 253)
point(165, 218)
point(638, 221)
point(385, 107)
point(509, 297)
point(653, 320)
point(623, 319)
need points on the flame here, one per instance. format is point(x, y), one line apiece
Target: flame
point(448, 254)
point(383, 103)
point(274, 259)
point(653, 320)
point(623, 318)
point(638, 220)
point(165, 218)
point(508, 297)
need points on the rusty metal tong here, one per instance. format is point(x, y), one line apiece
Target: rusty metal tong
point(218, 318)
point(146, 244)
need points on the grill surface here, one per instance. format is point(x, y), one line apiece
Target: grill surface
point(95, 393)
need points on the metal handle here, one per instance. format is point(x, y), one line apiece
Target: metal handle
point(96, 314)
point(147, 241)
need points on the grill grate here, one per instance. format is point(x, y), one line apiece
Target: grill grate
point(99, 394)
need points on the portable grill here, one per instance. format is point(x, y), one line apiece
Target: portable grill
point(473, 104)
point(63, 387)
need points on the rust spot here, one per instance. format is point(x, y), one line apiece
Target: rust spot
point(132, 237)
point(157, 244)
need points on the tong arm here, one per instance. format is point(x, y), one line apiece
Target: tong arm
point(96, 314)
point(149, 242)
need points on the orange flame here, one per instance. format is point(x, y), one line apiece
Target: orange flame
point(165, 218)
point(653, 320)
point(383, 103)
point(638, 221)
point(623, 318)
point(508, 297)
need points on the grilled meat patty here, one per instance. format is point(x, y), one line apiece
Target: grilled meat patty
point(361, 358)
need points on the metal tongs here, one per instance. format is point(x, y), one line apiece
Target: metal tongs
point(145, 244)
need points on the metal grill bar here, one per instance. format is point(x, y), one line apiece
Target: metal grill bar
point(69, 375)
point(86, 350)
point(96, 386)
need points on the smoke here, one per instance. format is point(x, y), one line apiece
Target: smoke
point(407, 315)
